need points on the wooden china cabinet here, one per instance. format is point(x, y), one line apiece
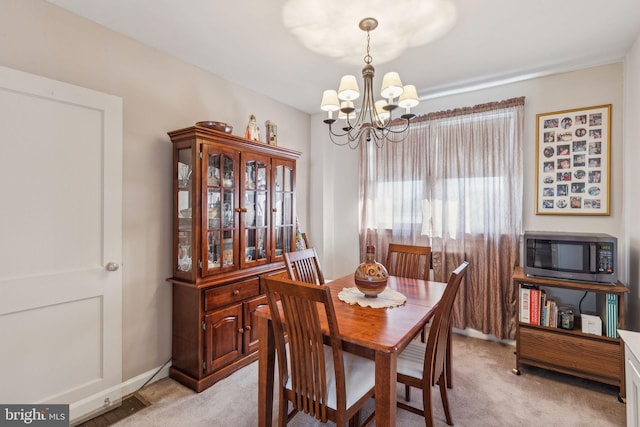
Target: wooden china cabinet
point(234, 217)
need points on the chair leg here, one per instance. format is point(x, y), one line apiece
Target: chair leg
point(426, 404)
point(445, 400)
point(447, 365)
point(355, 420)
point(283, 411)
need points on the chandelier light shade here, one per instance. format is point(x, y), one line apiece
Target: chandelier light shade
point(348, 89)
point(409, 98)
point(373, 118)
point(391, 85)
point(330, 102)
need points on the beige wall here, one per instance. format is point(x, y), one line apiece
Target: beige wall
point(584, 88)
point(159, 94)
point(631, 203)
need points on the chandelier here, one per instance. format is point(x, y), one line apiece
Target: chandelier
point(374, 119)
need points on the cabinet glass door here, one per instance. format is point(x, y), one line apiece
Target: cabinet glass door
point(283, 208)
point(221, 207)
point(255, 209)
point(184, 213)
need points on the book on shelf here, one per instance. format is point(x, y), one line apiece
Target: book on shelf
point(553, 313)
point(549, 305)
point(534, 307)
point(534, 311)
point(525, 305)
point(607, 307)
point(612, 315)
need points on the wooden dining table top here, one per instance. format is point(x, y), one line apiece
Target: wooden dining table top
point(386, 328)
point(383, 329)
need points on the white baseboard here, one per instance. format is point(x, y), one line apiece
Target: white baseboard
point(134, 384)
point(82, 411)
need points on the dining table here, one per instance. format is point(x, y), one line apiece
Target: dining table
point(376, 333)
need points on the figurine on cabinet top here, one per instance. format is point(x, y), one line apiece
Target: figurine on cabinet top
point(253, 131)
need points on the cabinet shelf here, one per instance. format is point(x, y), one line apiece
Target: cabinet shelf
point(570, 351)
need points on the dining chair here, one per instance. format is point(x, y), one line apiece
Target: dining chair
point(408, 261)
point(304, 266)
point(422, 365)
point(320, 380)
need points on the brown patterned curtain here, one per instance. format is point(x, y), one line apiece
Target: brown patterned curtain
point(455, 184)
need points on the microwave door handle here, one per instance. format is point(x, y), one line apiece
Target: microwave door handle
point(593, 268)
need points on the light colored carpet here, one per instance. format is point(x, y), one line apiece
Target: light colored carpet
point(485, 393)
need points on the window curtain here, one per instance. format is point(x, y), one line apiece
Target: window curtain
point(455, 184)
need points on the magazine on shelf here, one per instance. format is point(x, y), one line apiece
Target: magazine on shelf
point(607, 307)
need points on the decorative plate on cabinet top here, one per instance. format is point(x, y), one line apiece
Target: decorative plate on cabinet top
point(219, 126)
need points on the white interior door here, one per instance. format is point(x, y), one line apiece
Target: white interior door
point(60, 227)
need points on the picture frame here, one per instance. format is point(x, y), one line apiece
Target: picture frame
point(573, 161)
point(272, 132)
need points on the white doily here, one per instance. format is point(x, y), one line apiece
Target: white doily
point(386, 298)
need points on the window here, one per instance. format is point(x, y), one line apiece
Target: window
point(455, 183)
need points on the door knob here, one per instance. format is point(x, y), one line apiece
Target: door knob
point(112, 266)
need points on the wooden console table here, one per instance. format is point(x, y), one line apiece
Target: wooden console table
point(572, 352)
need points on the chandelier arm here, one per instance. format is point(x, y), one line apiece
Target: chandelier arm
point(340, 143)
point(385, 133)
point(350, 142)
point(402, 136)
point(404, 129)
point(350, 137)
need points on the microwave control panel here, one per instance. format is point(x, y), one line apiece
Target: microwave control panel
point(605, 258)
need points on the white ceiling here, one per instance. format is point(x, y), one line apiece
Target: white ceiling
point(492, 41)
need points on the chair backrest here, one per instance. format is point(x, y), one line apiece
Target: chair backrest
point(437, 341)
point(408, 261)
point(305, 240)
point(302, 304)
point(304, 266)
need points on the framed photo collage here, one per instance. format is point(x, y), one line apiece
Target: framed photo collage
point(573, 160)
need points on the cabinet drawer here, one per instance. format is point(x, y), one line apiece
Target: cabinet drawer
point(572, 352)
point(227, 294)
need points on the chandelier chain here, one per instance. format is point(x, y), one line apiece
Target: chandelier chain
point(368, 58)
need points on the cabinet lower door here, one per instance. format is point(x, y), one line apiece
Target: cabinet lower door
point(251, 332)
point(223, 337)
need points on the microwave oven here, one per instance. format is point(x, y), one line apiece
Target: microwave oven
point(572, 256)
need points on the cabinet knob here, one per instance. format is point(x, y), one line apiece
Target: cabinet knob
point(274, 210)
point(247, 328)
point(236, 293)
point(240, 331)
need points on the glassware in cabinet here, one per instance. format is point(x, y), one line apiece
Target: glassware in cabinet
point(184, 217)
point(255, 205)
point(220, 219)
point(283, 208)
